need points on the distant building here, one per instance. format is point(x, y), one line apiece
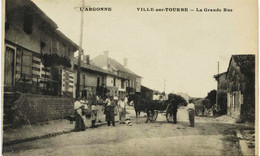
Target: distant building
point(241, 87)
point(96, 81)
point(128, 78)
point(221, 97)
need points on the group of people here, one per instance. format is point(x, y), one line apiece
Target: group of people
point(110, 106)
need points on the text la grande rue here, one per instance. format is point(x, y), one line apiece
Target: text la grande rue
point(214, 10)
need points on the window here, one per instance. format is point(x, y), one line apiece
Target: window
point(127, 84)
point(9, 66)
point(114, 81)
point(98, 82)
point(84, 79)
point(67, 81)
point(122, 84)
point(28, 22)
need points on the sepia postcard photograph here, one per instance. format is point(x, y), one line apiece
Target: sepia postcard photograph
point(129, 78)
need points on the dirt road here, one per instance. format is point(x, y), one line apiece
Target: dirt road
point(209, 137)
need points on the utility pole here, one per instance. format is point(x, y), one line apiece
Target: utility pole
point(80, 51)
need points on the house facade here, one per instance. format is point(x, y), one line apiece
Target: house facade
point(38, 68)
point(128, 82)
point(32, 41)
point(241, 87)
point(97, 81)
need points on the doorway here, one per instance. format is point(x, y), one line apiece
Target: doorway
point(9, 67)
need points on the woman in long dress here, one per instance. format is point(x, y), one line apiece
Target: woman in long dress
point(79, 123)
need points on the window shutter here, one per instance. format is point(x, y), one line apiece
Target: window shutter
point(228, 100)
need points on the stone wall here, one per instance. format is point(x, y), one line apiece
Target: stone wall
point(31, 108)
point(240, 93)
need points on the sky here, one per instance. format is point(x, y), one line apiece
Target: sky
point(182, 48)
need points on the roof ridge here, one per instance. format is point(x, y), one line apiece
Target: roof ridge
point(115, 64)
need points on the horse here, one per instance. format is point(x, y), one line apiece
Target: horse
point(137, 105)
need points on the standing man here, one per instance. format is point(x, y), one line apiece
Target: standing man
point(122, 111)
point(191, 110)
point(174, 110)
point(110, 111)
point(93, 115)
point(99, 108)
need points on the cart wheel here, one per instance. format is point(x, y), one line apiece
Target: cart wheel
point(169, 114)
point(153, 115)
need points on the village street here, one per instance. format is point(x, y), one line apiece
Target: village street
point(210, 136)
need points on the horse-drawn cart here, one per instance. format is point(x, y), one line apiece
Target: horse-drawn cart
point(153, 108)
point(152, 103)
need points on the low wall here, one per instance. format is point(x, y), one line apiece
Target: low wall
point(31, 108)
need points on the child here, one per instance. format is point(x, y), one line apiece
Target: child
point(93, 115)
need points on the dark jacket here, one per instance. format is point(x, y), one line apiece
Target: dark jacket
point(110, 112)
point(174, 106)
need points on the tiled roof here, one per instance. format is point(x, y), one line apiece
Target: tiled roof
point(98, 61)
point(145, 88)
point(101, 62)
point(245, 62)
point(93, 68)
point(40, 13)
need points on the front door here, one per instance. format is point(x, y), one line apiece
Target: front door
point(9, 67)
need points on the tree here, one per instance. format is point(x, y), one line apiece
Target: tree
point(222, 102)
point(212, 97)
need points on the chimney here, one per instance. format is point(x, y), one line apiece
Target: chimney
point(86, 59)
point(125, 62)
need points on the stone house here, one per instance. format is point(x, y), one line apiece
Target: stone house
point(38, 67)
point(32, 39)
point(129, 83)
point(241, 87)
